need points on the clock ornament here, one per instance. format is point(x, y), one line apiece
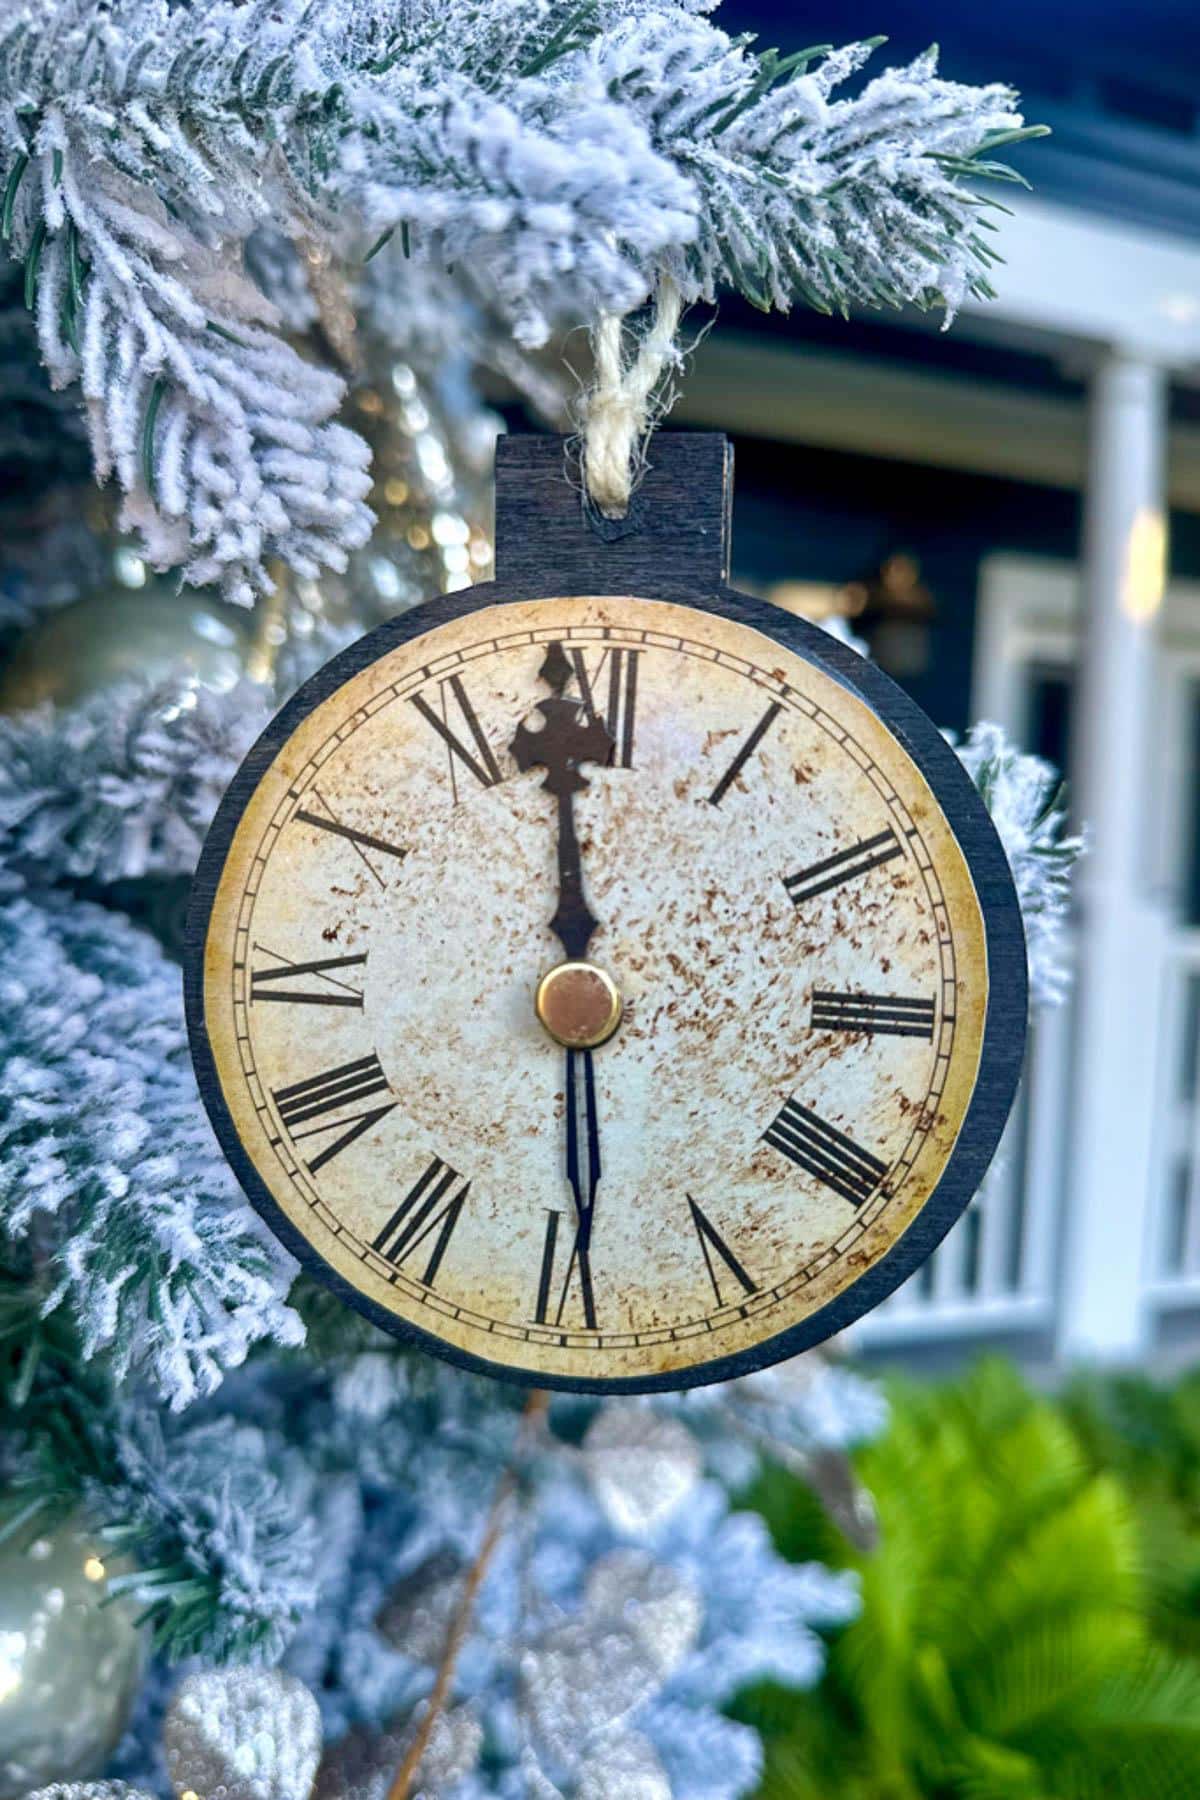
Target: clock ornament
point(598, 976)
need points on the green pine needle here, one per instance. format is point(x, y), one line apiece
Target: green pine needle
point(73, 297)
point(221, 331)
point(149, 474)
point(75, 268)
point(31, 263)
point(10, 195)
point(571, 35)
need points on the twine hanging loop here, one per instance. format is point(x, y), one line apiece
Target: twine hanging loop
point(625, 400)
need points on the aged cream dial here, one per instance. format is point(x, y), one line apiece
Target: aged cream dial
point(669, 1159)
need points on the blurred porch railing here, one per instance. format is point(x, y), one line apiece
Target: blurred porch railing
point(996, 1276)
point(994, 1273)
point(1174, 1250)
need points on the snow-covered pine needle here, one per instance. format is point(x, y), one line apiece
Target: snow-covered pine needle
point(569, 159)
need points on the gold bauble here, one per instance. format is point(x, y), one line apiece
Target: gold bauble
point(431, 459)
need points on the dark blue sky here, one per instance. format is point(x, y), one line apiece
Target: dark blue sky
point(1119, 84)
point(1155, 41)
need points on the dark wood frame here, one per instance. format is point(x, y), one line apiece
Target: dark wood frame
point(673, 546)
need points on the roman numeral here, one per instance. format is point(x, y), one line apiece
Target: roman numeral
point(826, 1153)
point(578, 1265)
point(710, 1241)
point(481, 761)
point(361, 841)
point(430, 1206)
point(843, 865)
point(330, 1093)
point(749, 746)
point(618, 695)
point(268, 983)
point(366, 838)
point(882, 1015)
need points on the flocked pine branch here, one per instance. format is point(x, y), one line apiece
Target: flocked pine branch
point(224, 1523)
point(567, 157)
point(332, 1521)
point(109, 1174)
point(1024, 795)
point(852, 202)
point(125, 784)
point(216, 1520)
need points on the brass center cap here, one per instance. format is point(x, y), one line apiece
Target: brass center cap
point(578, 1004)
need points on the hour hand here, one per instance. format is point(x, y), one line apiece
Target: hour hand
point(569, 737)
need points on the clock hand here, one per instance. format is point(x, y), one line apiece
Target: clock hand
point(573, 922)
point(585, 1198)
point(568, 738)
point(576, 1002)
point(584, 1179)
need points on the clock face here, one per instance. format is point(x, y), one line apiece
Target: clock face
point(752, 871)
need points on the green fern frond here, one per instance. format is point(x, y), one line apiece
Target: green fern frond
point(1003, 1650)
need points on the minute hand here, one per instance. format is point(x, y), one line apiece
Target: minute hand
point(583, 1180)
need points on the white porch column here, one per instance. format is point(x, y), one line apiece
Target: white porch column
point(1118, 986)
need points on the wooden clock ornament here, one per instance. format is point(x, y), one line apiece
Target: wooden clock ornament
point(600, 977)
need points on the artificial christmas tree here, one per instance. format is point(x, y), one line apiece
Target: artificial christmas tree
point(221, 217)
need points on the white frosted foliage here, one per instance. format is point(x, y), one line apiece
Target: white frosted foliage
point(564, 160)
point(125, 784)
point(1025, 798)
point(102, 1132)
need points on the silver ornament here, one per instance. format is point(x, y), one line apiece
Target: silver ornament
point(70, 1666)
point(245, 1734)
point(627, 1769)
point(661, 1606)
point(89, 1790)
point(417, 1614)
point(641, 1466)
point(431, 460)
point(364, 1764)
point(119, 632)
point(582, 1676)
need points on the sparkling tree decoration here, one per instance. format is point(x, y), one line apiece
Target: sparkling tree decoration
point(250, 1734)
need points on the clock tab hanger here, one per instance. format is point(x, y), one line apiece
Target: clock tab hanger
point(673, 540)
